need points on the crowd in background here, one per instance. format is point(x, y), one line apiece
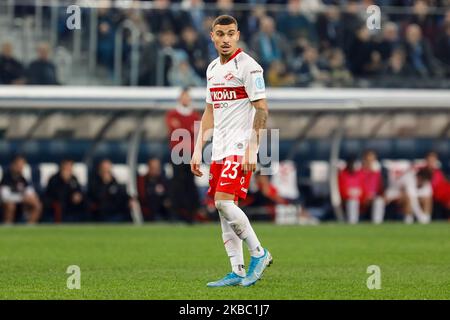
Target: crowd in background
point(305, 43)
point(41, 71)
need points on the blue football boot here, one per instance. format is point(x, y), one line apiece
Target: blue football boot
point(231, 279)
point(256, 268)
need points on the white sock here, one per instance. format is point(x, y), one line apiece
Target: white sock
point(240, 224)
point(378, 208)
point(424, 218)
point(239, 270)
point(353, 211)
point(233, 247)
point(408, 219)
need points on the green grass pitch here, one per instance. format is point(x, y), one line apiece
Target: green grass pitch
point(176, 261)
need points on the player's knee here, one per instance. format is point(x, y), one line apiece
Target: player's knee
point(225, 208)
point(239, 227)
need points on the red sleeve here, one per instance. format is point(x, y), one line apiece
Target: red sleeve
point(380, 183)
point(141, 195)
point(169, 118)
point(341, 185)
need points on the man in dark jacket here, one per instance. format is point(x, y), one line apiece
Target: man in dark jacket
point(418, 52)
point(108, 199)
point(64, 194)
point(153, 190)
point(42, 71)
point(11, 70)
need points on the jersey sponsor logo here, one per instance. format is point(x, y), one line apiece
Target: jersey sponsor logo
point(224, 184)
point(229, 76)
point(255, 71)
point(228, 93)
point(220, 105)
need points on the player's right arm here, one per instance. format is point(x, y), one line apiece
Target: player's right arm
point(205, 132)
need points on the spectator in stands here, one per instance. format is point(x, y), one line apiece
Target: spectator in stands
point(351, 188)
point(108, 21)
point(250, 25)
point(11, 70)
point(443, 48)
point(42, 71)
point(418, 52)
point(138, 18)
point(298, 50)
point(293, 23)
point(397, 72)
point(163, 18)
point(196, 50)
point(300, 21)
point(227, 7)
point(181, 74)
point(390, 40)
point(363, 56)
point(350, 20)
point(278, 76)
point(339, 75)
point(195, 11)
point(424, 19)
point(17, 194)
point(147, 67)
point(180, 123)
point(329, 28)
point(312, 72)
point(165, 56)
point(373, 187)
point(108, 199)
point(153, 190)
point(414, 194)
point(64, 195)
point(105, 45)
point(269, 45)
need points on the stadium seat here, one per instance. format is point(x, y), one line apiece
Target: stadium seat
point(80, 171)
point(121, 172)
point(46, 170)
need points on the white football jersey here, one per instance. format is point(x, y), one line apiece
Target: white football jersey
point(230, 89)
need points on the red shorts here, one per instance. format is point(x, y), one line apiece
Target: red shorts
point(226, 176)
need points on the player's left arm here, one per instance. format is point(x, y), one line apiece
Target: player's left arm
point(259, 123)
